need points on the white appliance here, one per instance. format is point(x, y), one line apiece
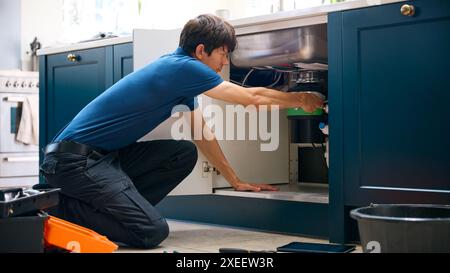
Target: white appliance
point(19, 162)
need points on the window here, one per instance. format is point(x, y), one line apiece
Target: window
point(83, 19)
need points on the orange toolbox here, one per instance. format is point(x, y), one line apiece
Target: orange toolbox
point(75, 238)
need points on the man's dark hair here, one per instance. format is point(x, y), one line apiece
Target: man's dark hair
point(209, 30)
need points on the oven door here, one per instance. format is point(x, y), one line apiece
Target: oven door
point(11, 110)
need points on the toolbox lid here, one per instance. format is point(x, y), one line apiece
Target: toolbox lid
point(16, 201)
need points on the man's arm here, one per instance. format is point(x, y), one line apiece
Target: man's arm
point(258, 96)
point(209, 146)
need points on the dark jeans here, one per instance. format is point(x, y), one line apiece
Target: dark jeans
point(115, 194)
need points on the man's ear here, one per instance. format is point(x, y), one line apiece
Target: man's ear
point(200, 51)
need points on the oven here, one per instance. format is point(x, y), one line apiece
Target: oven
point(19, 162)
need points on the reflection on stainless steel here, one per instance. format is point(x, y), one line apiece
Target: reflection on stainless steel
point(305, 44)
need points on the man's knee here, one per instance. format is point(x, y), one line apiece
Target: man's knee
point(153, 235)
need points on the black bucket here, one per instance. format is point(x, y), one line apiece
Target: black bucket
point(404, 228)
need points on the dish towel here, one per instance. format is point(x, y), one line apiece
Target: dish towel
point(28, 132)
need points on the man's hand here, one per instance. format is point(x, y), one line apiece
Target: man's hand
point(310, 101)
point(258, 96)
point(243, 186)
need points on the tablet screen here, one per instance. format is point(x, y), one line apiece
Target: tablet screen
point(315, 248)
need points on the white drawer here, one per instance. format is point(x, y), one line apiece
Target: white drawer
point(26, 181)
point(19, 164)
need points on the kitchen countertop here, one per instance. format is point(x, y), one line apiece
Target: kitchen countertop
point(307, 16)
point(85, 45)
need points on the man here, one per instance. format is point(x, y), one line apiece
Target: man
point(111, 183)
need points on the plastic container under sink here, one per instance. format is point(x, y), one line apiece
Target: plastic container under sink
point(404, 228)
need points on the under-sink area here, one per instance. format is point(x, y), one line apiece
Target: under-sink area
point(287, 60)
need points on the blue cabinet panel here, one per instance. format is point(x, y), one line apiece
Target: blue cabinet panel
point(337, 213)
point(123, 60)
point(394, 99)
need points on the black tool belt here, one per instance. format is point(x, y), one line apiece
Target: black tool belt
point(71, 147)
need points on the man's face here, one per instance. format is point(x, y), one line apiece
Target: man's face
point(217, 59)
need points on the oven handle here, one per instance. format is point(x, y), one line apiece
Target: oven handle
point(21, 159)
point(13, 99)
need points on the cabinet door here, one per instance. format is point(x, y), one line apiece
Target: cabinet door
point(71, 84)
point(123, 60)
point(395, 97)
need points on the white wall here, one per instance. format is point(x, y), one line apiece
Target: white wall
point(10, 34)
point(172, 14)
point(42, 19)
point(247, 8)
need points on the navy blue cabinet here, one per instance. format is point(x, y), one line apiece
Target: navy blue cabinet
point(72, 84)
point(123, 61)
point(389, 99)
point(70, 80)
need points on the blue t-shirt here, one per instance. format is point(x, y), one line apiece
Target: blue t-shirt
point(139, 102)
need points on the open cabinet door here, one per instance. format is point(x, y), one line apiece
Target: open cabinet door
point(149, 45)
point(247, 157)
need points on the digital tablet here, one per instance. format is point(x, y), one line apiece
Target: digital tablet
point(315, 248)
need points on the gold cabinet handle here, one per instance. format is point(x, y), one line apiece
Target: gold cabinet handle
point(407, 10)
point(72, 57)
